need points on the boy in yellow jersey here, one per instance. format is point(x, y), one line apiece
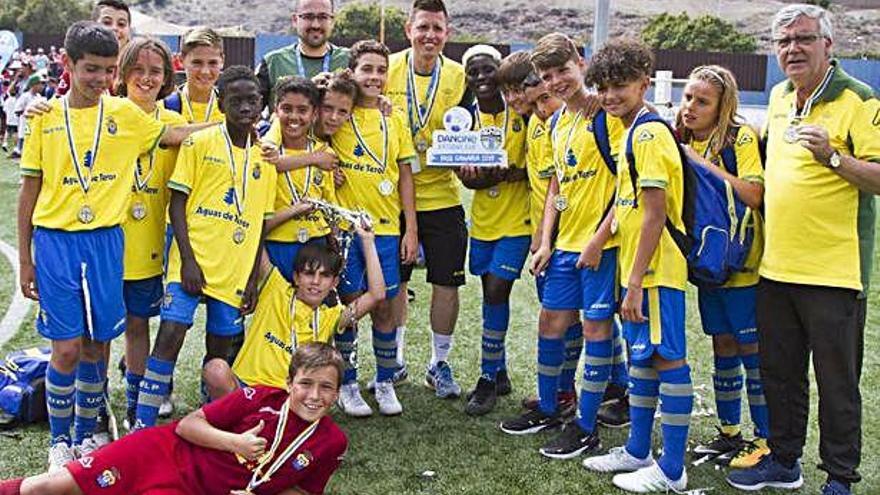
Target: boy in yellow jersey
point(375, 154)
point(202, 56)
point(289, 316)
point(499, 219)
point(296, 223)
point(707, 122)
point(426, 84)
point(653, 275)
point(73, 199)
point(145, 75)
point(221, 193)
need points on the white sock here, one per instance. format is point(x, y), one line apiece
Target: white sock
point(442, 344)
point(401, 343)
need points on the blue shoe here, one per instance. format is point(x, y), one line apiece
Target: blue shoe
point(439, 377)
point(834, 487)
point(768, 473)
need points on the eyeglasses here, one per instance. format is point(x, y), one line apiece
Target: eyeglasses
point(800, 39)
point(322, 18)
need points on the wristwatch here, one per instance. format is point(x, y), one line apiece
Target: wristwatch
point(834, 159)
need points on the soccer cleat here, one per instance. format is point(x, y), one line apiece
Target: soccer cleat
point(617, 460)
point(166, 408)
point(750, 454)
point(482, 399)
point(571, 442)
point(399, 376)
point(614, 414)
point(502, 383)
point(351, 402)
point(722, 444)
point(439, 377)
point(530, 422)
point(650, 479)
point(834, 487)
point(86, 448)
point(566, 403)
point(767, 473)
point(59, 455)
point(387, 399)
point(613, 392)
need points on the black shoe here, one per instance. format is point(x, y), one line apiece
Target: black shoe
point(721, 445)
point(410, 295)
point(502, 383)
point(614, 414)
point(482, 400)
point(571, 442)
point(530, 422)
point(613, 392)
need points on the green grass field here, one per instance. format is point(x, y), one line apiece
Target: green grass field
point(434, 448)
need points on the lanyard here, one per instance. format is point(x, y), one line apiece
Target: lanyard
point(192, 115)
point(259, 477)
point(238, 199)
point(316, 322)
point(294, 194)
point(560, 162)
point(84, 169)
point(796, 116)
point(420, 113)
point(363, 144)
point(299, 61)
point(141, 180)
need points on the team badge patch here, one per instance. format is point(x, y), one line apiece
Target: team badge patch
point(257, 172)
point(358, 151)
point(590, 126)
point(744, 139)
point(108, 478)
point(229, 197)
point(517, 126)
point(644, 136)
point(111, 126)
point(570, 159)
point(302, 460)
point(318, 178)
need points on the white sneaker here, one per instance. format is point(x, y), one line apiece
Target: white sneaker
point(617, 460)
point(650, 479)
point(351, 402)
point(387, 399)
point(59, 455)
point(166, 408)
point(86, 448)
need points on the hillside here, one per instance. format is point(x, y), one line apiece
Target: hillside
point(857, 22)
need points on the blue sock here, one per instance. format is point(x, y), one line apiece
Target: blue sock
point(551, 354)
point(619, 375)
point(597, 369)
point(385, 350)
point(60, 396)
point(574, 345)
point(154, 389)
point(132, 389)
point(676, 404)
point(89, 397)
point(496, 318)
point(102, 372)
point(728, 382)
point(346, 343)
point(644, 389)
point(757, 402)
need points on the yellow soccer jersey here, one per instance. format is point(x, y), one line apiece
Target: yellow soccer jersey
point(144, 226)
point(125, 132)
point(197, 113)
point(819, 227)
point(503, 209)
point(586, 181)
point(264, 358)
point(748, 167)
point(539, 163)
point(224, 242)
point(309, 182)
point(658, 165)
point(368, 186)
point(436, 187)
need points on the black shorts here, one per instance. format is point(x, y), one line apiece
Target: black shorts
point(443, 236)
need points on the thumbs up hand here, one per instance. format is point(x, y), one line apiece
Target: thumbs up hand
point(249, 444)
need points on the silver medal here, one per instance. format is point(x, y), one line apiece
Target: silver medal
point(791, 134)
point(86, 214)
point(560, 202)
point(302, 236)
point(386, 187)
point(494, 192)
point(139, 210)
point(238, 235)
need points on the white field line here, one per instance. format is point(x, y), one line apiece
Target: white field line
point(19, 305)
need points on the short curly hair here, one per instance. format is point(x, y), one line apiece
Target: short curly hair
point(620, 61)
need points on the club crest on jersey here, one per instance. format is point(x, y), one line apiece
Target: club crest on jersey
point(302, 460)
point(318, 178)
point(590, 126)
point(570, 159)
point(358, 151)
point(111, 126)
point(644, 136)
point(229, 197)
point(517, 125)
point(107, 478)
point(257, 173)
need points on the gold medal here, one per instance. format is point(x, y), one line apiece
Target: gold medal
point(560, 202)
point(86, 214)
point(494, 192)
point(238, 235)
point(302, 236)
point(791, 133)
point(421, 145)
point(386, 187)
point(139, 210)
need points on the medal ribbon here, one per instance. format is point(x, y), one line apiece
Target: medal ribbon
point(299, 61)
point(796, 116)
point(192, 115)
point(560, 163)
point(418, 120)
point(293, 192)
point(141, 183)
point(363, 144)
point(84, 176)
point(238, 199)
point(642, 111)
point(260, 478)
point(316, 322)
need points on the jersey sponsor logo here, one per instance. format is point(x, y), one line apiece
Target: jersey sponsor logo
point(188, 142)
point(108, 478)
point(745, 139)
point(249, 393)
point(86, 462)
point(271, 339)
point(302, 460)
point(644, 136)
point(876, 121)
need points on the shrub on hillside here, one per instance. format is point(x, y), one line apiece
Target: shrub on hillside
point(358, 21)
point(704, 33)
